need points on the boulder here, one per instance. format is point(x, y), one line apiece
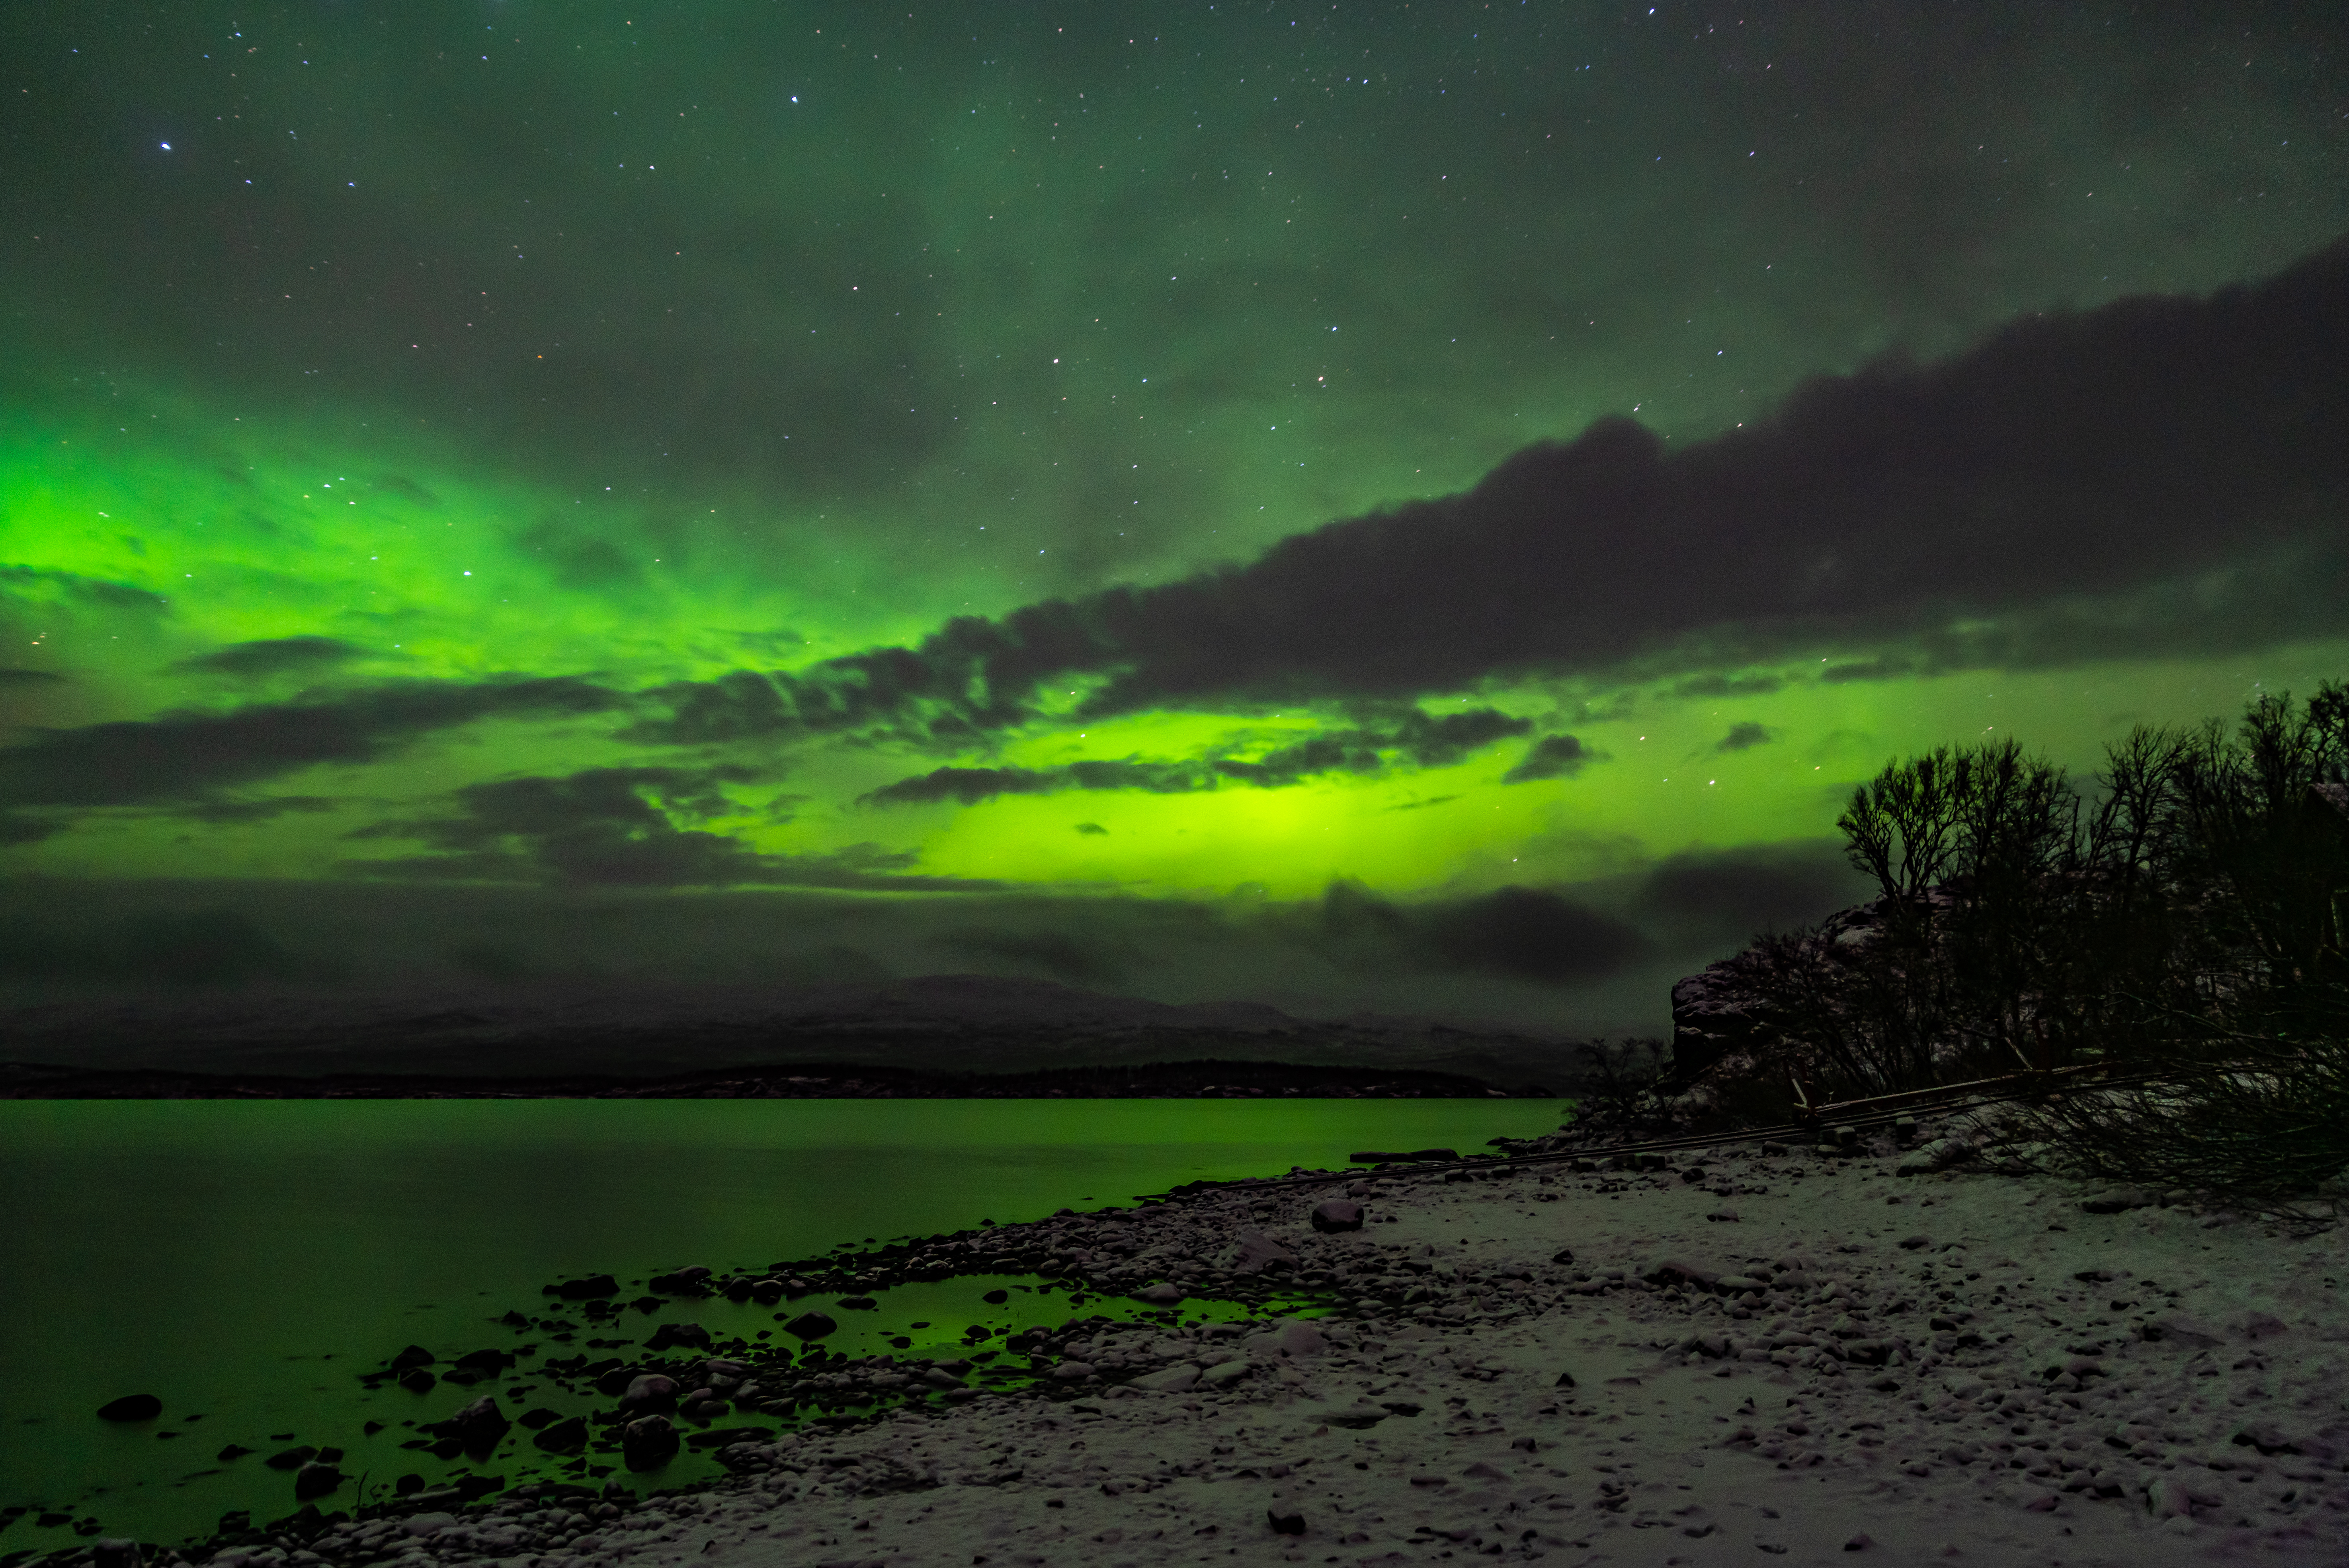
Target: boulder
point(810, 1325)
point(314, 1479)
point(674, 1334)
point(563, 1437)
point(478, 1426)
point(1258, 1253)
point(131, 1408)
point(649, 1391)
point(1160, 1295)
point(2118, 1201)
point(1293, 1338)
point(1938, 1155)
point(1681, 1271)
point(116, 1552)
point(416, 1380)
point(647, 1442)
point(414, 1355)
point(594, 1287)
point(1337, 1215)
point(1172, 1380)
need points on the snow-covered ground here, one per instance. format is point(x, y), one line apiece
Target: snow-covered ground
point(1781, 1357)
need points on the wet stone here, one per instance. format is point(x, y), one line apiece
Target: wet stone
point(131, 1408)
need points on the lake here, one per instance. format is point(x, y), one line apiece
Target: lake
point(244, 1260)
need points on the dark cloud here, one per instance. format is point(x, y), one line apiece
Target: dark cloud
point(183, 946)
point(192, 758)
point(1884, 669)
point(1723, 899)
point(1551, 757)
point(1064, 955)
point(1745, 736)
point(273, 656)
point(41, 582)
point(1528, 934)
point(260, 810)
point(1727, 685)
point(618, 827)
point(2071, 457)
point(1423, 740)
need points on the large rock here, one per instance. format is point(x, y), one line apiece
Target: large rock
point(1257, 1253)
point(811, 1326)
point(671, 1333)
point(647, 1442)
point(131, 1408)
point(565, 1437)
point(478, 1426)
point(1337, 1215)
point(1172, 1380)
point(1292, 1338)
point(649, 1391)
point(316, 1479)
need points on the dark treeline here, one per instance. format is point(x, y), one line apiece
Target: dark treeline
point(2188, 913)
point(2024, 925)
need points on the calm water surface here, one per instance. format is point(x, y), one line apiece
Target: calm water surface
point(247, 1260)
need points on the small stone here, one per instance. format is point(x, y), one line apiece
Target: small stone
point(414, 1355)
point(1161, 1295)
point(118, 1551)
point(1565, 1380)
point(594, 1287)
point(1223, 1375)
point(416, 1380)
point(1285, 1520)
point(131, 1408)
point(996, 1298)
point(674, 1334)
point(1859, 1543)
point(292, 1458)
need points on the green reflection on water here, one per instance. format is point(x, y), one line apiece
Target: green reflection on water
point(245, 1261)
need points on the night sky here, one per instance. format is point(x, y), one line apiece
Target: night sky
point(1412, 508)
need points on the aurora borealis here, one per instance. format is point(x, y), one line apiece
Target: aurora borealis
point(1422, 508)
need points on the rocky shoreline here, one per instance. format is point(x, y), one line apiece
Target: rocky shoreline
point(1749, 1352)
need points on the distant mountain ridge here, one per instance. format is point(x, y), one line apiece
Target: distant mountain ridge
point(934, 1024)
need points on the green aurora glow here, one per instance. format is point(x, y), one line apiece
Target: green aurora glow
point(451, 447)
